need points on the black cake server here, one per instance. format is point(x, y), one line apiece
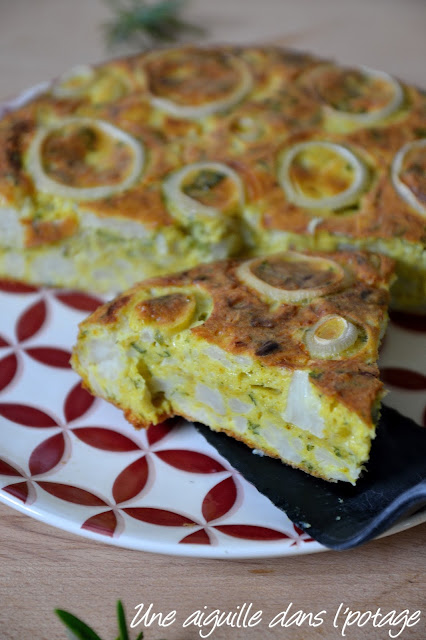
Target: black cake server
point(339, 515)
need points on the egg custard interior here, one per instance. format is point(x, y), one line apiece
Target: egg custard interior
point(279, 352)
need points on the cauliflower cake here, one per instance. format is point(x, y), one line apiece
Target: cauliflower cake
point(277, 351)
point(154, 163)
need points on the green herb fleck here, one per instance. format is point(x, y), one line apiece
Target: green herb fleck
point(253, 427)
point(420, 132)
point(310, 447)
point(107, 236)
point(417, 168)
point(158, 337)
point(376, 134)
point(137, 347)
point(252, 398)
point(375, 413)
point(88, 137)
point(204, 181)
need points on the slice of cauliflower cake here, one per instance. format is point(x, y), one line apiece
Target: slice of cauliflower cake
point(279, 352)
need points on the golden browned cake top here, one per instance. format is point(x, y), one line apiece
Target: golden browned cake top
point(379, 211)
point(307, 297)
point(247, 107)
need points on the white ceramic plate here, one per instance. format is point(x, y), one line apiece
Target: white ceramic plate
point(73, 462)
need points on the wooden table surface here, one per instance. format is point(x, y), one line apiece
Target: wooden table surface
point(43, 568)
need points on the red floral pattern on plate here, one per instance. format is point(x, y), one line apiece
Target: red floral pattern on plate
point(191, 461)
point(18, 490)
point(131, 481)
point(404, 378)
point(6, 469)
point(103, 524)
point(105, 439)
point(409, 321)
point(8, 370)
point(67, 454)
point(26, 415)
point(77, 403)
point(79, 301)
point(219, 500)
point(10, 286)
point(31, 321)
point(47, 455)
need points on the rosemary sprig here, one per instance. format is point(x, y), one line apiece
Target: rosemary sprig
point(79, 630)
point(147, 24)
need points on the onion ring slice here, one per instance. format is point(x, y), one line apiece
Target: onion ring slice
point(330, 336)
point(404, 190)
point(372, 117)
point(190, 208)
point(208, 108)
point(274, 294)
point(81, 71)
point(48, 184)
point(343, 199)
